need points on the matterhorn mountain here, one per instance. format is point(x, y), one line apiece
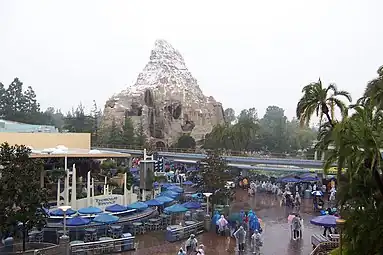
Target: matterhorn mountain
point(165, 100)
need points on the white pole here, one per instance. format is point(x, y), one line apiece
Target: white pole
point(73, 201)
point(92, 191)
point(66, 181)
point(88, 184)
point(207, 205)
point(58, 192)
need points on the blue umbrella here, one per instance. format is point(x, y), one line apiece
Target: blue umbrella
point(177, 208)
point(188, 183)
point(324, 221)
point(138, 206)
point(169, 193)
point(133, 169)
point(59, 212)
point(176, 189)
point(105, 218)
point(164, 199)
point(290, 179)
point(90, 210)
point(192, 205)
point(116, 208)
point(154, 202)
point(317, 193)
point(77, 221)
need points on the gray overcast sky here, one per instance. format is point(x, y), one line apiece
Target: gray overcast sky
point(244, 53)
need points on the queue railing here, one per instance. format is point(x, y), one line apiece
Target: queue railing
point(104, 247)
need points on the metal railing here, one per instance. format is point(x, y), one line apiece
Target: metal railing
point(201, 151)
point(104, 247)
point(184, 232)
point(31, 248)
point(324, 248)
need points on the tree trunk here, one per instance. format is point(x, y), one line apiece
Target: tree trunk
point(378, 179)
point(24, 237)
point(326, 112)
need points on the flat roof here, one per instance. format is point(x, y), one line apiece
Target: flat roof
point(77, 153)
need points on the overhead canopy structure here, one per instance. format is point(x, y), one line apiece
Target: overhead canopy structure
point(61, 152)
point(90, 210)
point(164, 199)
point(59, 212)
point(154, 202)
point(192, 205)
point(116, 208)
point(176, 208)
point(77, 221)
point(105, 218)
point(138, 206)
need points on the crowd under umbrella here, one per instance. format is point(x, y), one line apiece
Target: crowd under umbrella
point(154, 202)
point(324, 221)
point(116, 208)
point(59, 212)
point(192, 205)
point(77, 221)
point(90, 210)
point(138, 206)
point(106, 219)
point(164, 199)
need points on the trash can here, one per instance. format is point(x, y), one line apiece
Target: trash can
point(128, 244)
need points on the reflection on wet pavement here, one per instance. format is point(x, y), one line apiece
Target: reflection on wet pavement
point(276, 235)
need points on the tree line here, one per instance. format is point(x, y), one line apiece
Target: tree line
point(352, 142)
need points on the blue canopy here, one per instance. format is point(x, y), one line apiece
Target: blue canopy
point(290, 179)
point(90, 210)
point(169, 193)
point(188, 183)
point(324, 221)
point(133, 169)
point(116, 208)
point(59, 212)
point(177, 208)
point(164, 199)
point(154, 202)
point(77, 221)
point(138, 206)
point(309, 177)
point(105, 218)
point(192, 205)
point(176, 189)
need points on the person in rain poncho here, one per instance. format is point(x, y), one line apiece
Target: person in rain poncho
point(181, 252)
point(222, 223)
point(215, 219)
point(240, 236)
point(191, 244)
point(256, 243)
point(201, 250)
point(254, 223)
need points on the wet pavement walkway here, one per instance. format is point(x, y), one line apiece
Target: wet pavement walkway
point(276, 235)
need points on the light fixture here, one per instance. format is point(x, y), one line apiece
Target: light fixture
point(64, 208)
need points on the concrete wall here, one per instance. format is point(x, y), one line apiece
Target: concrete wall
point(48, 140)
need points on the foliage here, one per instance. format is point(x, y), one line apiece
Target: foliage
point(21, 198)
point(215, 174)
point(186, 142)
point(272, 133)
point(229, 115)
point(354, 143)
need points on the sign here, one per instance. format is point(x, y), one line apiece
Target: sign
point(106, 201)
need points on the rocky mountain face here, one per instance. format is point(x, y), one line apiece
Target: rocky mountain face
point(165, 100)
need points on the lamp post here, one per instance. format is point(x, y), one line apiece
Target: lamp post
point(64, 208)
point(207, 195)
point(340, 223)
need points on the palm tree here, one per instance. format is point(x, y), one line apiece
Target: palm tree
point(319, 100)
point(374, 90)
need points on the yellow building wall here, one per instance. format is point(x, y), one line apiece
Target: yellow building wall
point(48, 140)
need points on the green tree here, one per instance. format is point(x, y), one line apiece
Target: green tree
point(96, 118)
point(140, 136)
point(21, 198)
point(215, 174)
point(229, 114)
point(114, 134)
point(128, 134)
point(186, 142)
point(78, 121)
point(319, 100)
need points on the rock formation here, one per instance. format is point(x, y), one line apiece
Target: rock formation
point(166, 100)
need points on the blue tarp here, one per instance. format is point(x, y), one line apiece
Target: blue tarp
point(176, 189)
point(59, 212)
point(138, 206)
point(105, 218)
point(177, 208)
point(90, 210)
point(192, 205)
point(154, 202)
point(116, 208)
point(164, 199)
point(77, 221)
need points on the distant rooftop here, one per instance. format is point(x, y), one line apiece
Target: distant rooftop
point(61, 151)
point(18, 127)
